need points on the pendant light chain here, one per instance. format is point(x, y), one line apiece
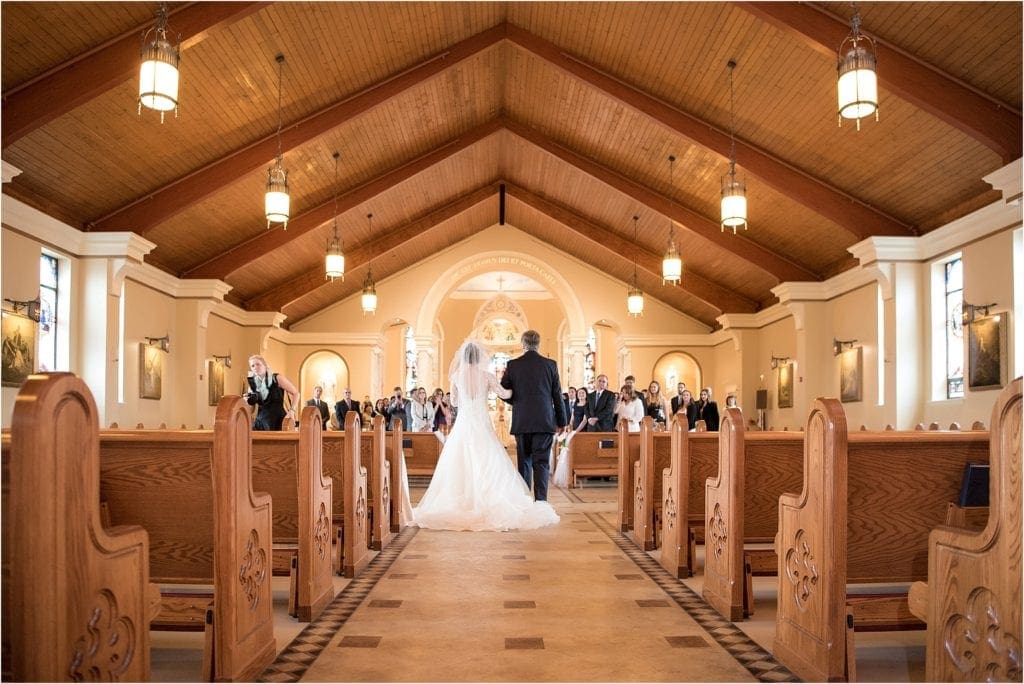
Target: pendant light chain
point(732, 122)
point(280, 116)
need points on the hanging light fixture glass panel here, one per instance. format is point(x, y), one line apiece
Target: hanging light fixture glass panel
point(369, 297)
point(158, 72)
point(672, 264)
point(858, 80)
point(277, 202)
point(334, 262)
point(734, 203)
point(635, 301)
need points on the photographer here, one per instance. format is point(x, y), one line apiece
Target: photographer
point(398, 407)
point(266, 391)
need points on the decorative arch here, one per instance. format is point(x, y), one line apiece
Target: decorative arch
point(529, 265)
point(325, 368)
point(500, 322)
point(675, 366)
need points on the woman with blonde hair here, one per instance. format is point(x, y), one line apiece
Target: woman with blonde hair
point(266, 391)
point(630, 407)
point(656, 406)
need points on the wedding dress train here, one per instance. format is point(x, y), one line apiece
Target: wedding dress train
point(475, 486)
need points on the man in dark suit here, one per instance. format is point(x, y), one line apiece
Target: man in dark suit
point(344, 406)
point(678, 399)
point(600, 411)
point(325, 411)
point(538, 411)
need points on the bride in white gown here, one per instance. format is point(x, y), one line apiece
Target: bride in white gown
point(475, 486)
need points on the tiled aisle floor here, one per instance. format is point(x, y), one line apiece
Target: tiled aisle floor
point(564, 603)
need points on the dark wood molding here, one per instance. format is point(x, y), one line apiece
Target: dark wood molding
point(42, 99)
point(992, 123)
point(715, 295)
point(843, 209)
point(776, 265)
point(153, 208)
point(239, 255)
point(283, 294)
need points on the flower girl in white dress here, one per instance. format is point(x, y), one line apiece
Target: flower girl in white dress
point(561, 471)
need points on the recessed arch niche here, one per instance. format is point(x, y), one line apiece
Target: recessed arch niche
point(675, 367)
point(499, 324)
point(327, 369)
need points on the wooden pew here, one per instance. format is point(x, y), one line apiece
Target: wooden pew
point(628, 453)
point(192, 492)
point(867, 504)
point(972, 600)
point(76, 596)
point(422, 449)
point(654, 456)
point(396, 459)
point(694, 458)
point(753, 471)
point(289, 466)
point(343, 464)
point(593, 454)
point(380, 490)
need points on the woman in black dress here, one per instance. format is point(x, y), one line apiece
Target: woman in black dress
point(266, 391)
point(579, 407)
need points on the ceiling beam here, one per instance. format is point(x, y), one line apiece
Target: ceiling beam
point(721, 298)
point(990, 122)
point(144, 213)
point(279, 296)
point(56, 92)
point(264, 242)
point(837, 206)
point(776, 265)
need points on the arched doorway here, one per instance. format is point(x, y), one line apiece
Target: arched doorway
point(327, 369)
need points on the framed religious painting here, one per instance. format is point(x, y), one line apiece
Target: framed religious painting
point(151, 371)
point(786, 386)
point(215, 380)
point(986, 353)
point(851, 375)
point(18, 336)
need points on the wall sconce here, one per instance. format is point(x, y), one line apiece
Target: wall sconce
point(839, 346)
point(32, 308)
point(226, 360)
point(971, 311)
point(163, 342)
point(779, 361)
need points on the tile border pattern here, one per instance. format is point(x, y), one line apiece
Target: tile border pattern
point(292, 662)
point(745, 650)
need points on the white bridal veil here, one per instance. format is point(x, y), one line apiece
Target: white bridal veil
point(470, 370)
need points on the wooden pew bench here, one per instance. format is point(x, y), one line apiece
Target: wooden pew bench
point(69, 584)
point(192, 492)
point(653, 457)
point(342, 462)
point(975, 576)
point(593, 454)
point(694, 459)
point(422, 449)
point(867, 505)
point(289, 466)
point(753, 471)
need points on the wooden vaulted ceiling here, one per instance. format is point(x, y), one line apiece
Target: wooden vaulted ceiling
point(573, 107)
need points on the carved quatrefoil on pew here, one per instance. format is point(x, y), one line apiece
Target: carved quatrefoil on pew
point(107, 648)
point(638, 494)
point(801, 569)
point(253, 571)
point(322, 531)
point(361, 511)
point(718, 532)
point(670, 509)
point(978, 643)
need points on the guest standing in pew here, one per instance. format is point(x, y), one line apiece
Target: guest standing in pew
point(344, 406)
point(707, 410)
point(631, 407)
point(600, 411)
point(266, 392)
point(325, 410)
point(688, 407)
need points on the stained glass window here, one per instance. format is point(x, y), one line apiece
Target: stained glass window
point(954, 285)
point(47, 313)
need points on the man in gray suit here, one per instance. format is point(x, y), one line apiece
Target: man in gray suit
point(537, 412)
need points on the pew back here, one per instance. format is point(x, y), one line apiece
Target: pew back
point(422, 449)
point(593, 454)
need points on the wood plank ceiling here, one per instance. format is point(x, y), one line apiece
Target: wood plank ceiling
point(574, 107)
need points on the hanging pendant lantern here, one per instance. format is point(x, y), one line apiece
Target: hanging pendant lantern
point(158, 72)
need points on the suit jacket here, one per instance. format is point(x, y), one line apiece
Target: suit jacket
point(708, 412)
point(325, 411)
point(603, 410)
point(536, 394)
point(676, 401)
point(343, 407)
